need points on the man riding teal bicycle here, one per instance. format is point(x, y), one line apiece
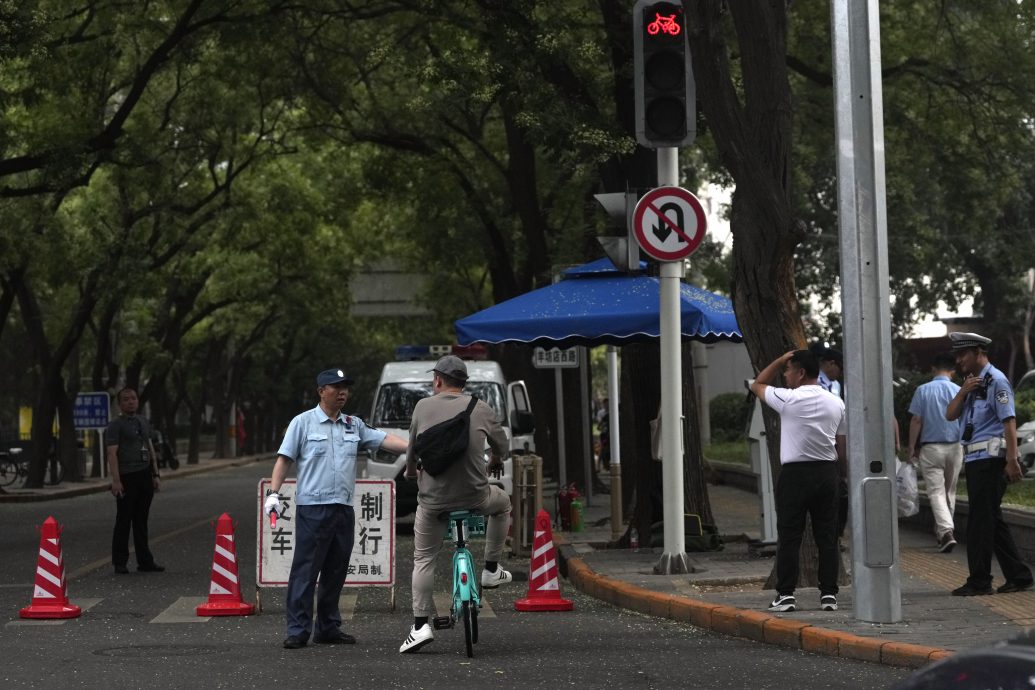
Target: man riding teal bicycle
point(463, 485)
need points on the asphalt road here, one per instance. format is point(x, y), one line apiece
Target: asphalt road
point(139, 630)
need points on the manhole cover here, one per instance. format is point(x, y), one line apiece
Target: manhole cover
point(153, 650)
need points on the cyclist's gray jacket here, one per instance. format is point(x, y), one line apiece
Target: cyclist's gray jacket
point(465, 483)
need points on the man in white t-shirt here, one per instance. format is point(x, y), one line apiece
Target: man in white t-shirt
point(812, 460)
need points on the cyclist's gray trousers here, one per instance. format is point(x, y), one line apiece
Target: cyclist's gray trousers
point(428, 535)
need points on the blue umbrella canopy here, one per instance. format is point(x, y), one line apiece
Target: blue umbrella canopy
point(595, 304)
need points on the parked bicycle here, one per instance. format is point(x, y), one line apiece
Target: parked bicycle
point(466, 600)
point(14, 467)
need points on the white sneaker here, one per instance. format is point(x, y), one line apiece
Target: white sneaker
point(494, 580)
point(417, 639)
point(828, 602)
point(783, 603)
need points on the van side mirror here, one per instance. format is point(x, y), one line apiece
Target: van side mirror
point(521, 422)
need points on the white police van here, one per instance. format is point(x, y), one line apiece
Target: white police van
point(408, 380)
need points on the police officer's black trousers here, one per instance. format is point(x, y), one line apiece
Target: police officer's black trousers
point(987, 532)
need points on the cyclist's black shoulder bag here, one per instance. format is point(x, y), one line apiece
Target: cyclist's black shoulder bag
point(439, 446)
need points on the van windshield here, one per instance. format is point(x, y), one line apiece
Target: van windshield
point(395, 401)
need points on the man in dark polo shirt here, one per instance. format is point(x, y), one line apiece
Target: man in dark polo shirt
point(134, 480)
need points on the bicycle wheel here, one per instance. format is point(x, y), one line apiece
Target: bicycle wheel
point(8, 473)
point(474, 623)
point(468, 627)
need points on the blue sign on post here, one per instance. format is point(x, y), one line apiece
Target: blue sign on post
point(92, 410)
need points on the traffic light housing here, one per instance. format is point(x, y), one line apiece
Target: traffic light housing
point(663, 76)
point(623, 250)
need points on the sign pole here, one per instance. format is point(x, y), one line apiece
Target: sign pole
point(673, 559)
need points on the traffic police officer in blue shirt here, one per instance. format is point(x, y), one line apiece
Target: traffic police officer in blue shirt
point(991, 460)
point(322, 443)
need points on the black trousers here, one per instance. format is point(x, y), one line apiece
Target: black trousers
point(131, 511)
point(806, 488)
point(987, 532)
point(324, 536)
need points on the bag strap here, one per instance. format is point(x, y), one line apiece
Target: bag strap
point(470, 406)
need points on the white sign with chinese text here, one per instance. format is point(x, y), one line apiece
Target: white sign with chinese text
point(373, 552)
point(555, 357)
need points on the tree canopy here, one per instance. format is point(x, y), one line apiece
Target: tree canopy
point(187, 188)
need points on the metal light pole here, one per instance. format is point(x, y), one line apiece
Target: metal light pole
point(867, 321)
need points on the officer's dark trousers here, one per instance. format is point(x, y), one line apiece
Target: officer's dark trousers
point(323, 547)
point(806, 488)
point(131, 511)
point(987, 532)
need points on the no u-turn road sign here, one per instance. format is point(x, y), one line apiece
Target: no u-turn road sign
point(669, 223)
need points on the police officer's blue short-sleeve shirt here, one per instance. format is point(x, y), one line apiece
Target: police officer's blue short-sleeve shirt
point(324, 452)
point(988, 411)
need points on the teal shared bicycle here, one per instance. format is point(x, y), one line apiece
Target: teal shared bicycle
point(466, 600)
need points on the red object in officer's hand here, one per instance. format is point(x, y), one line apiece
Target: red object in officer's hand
point(273, 519)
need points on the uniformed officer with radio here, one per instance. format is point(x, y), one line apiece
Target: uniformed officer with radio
point(991, 461)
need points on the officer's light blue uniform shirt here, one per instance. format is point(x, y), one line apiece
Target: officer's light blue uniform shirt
point(324, 452)
point(929, 403)
point(988, 412)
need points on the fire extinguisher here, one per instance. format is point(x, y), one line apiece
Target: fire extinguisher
point(564, 499)
point(577, 514)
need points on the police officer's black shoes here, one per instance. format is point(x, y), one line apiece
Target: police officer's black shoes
point(969, 590)
point(292, 642)
point(337, 637)
point(1014, 586)
point(121, 570)
point(151, 568)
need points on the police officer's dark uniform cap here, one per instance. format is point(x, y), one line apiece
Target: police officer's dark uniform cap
point(331, 377)
point(963, 341)
point(451, 366)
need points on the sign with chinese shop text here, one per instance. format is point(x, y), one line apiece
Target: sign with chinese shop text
point(555, 357)
point(373, 550)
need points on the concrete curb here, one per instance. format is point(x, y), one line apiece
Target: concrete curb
point(753, 625)
point(96, 486)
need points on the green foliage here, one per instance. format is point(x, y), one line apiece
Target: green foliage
point(730, 413)
point(736, 452)
point(1024, 405)
point(902, 395)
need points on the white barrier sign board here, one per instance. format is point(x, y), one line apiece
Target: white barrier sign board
point(373, 552)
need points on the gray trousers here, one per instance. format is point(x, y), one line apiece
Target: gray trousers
point(429, 532)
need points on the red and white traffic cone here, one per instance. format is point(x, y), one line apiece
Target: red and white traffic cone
point(50, 594)
point(544, 590)
point(224, 593)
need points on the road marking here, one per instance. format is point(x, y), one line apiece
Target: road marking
point(183, 610)
point(347, 605)
point(84, 603)
point(101, 562)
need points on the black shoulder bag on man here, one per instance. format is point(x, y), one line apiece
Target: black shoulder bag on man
point(439, 446)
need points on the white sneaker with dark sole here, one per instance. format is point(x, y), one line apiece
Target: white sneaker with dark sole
point(828, 602)
point(417, 639)
point(783, 603)
point(494, 580)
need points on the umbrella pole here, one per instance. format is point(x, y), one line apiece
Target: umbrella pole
point(617, 521)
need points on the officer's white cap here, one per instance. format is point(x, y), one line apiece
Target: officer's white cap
point(962, 341)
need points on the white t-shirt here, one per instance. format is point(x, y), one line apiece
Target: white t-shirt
point(810, 418)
